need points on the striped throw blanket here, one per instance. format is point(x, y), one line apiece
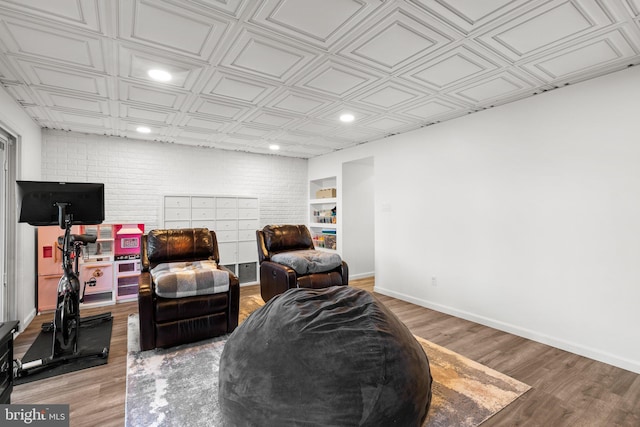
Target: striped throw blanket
point(186, 279)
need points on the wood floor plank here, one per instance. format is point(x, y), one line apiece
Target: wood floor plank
point(568, 390)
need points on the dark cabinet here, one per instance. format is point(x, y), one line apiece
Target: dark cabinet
point(7, 330)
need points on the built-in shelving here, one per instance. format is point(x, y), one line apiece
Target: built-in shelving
point(324, 215)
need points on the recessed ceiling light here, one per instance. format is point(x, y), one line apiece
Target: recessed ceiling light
point(159, 75)
point(347, 118)
point(274, 147)
point(143, 129)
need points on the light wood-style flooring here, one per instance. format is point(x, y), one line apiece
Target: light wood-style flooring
point(567, 390)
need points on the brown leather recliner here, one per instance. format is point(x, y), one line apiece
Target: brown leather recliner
point(277, 278)
point(165, 322)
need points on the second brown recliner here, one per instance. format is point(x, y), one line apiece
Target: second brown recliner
point(276, 278)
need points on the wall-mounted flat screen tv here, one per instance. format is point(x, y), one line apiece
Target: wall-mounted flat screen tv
point(51, 203)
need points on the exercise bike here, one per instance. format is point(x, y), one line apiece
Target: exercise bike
point(67, 322)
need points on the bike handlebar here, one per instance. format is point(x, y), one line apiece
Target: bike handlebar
point(81, 239)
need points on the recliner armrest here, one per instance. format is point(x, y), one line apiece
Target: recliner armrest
point(145, 311)
point(275, 279)
point(234, 300)
point(345, 273)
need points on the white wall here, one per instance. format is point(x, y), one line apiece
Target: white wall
point(527, 215)
point(28, 137)
point(357, 214)
point(138, 173)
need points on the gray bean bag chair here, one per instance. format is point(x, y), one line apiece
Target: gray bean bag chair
point(324, 357)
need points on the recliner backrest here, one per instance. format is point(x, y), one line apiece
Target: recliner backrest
point(178, 245)
point(273, 239)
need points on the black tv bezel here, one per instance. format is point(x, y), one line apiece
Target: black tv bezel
point(38, 202)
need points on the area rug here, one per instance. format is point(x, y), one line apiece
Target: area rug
point(179, 386)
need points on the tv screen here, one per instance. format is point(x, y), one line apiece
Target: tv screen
point(39, 202)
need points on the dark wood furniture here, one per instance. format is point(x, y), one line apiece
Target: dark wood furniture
point(7, 329)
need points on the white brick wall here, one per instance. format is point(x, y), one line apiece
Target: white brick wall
point(137, 173)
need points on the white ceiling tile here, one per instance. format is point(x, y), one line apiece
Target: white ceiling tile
point(171, 27)
point(291, 101)
point(247, 131)
point(265, 56)
point(316, 127)
point(396, 40)
point(36, 40)
point(605, 50)
point(68, 101)
point(545, 27)
point(80, 13)
point(468, 16)
point(63, 78)
point(388, 123)
point(432, 110)
point(21, 93)
point(96, 121)
point(321, 23)
point(485, 91)
point(388, 97)
point(201, 123)
point(336, 79)
point(136, 112)
point(271, 119)
point(218, 108)
point(333, 113)
point(634, 5)
point(453, 67)
point(7, 74)
point(231, 7)
point(135, 62)
point(150, 95)
point(238, 88)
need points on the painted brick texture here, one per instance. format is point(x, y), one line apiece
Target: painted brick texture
point(137, 173)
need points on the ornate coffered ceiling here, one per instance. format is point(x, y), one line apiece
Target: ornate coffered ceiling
point(248, 74)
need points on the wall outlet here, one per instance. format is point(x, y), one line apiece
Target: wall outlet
point(434, 281)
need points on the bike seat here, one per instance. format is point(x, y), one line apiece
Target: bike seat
point(83, 239)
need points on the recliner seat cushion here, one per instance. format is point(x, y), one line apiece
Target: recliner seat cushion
point(323, 357)
point(187, 279)
point(308, 261)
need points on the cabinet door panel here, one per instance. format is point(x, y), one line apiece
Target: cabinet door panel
point(248, 224)
point(227, 235)
point(247, 251)
point(203, 202)
point(247, 203)
point(175, 214)
point(204, 223)
point(247, 213)
point(247, 235)
point(226, 202)
point(226, 225)
point(228, 252)
point(203, 213)
point(176, 202)
point(177, 224)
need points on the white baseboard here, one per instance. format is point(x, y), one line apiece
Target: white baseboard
point(361, 275)
point(27, 321)
point(590, 352)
